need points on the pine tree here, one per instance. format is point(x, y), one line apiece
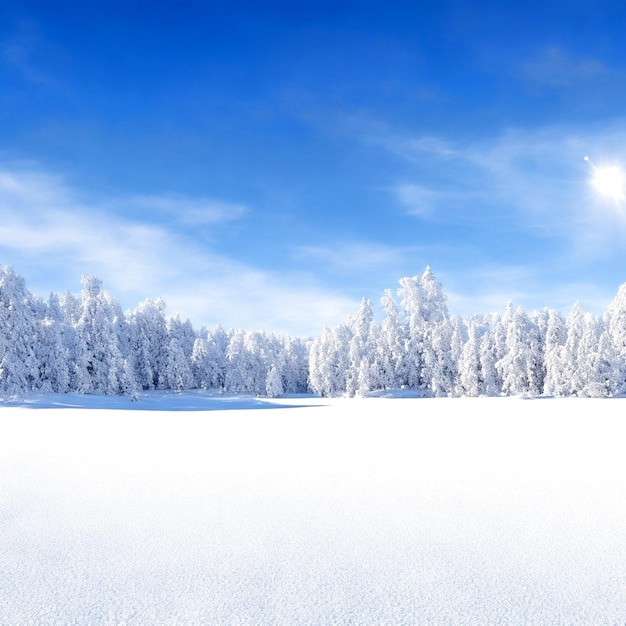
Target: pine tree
point(150, 343)
point(19, 336)
point(360, 350)
point(616, 328)
point(390, 347)
point(274, 384)
point(177, 374)
point(471, 377)
point(556, 336)
point(99, 356)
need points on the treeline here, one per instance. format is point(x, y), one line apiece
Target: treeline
point(419, 346)
point(87, 344)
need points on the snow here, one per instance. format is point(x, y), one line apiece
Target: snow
point(202, 509)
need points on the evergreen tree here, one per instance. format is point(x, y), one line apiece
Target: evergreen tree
point(390, 347)
point(471, 378)
point(360, 350)
point(616, 329)
point(177, 375)
point(98, 346)
point(274, 384)
point(150, 343)
point(556, 336)
point(19, 336)
point(492, 347)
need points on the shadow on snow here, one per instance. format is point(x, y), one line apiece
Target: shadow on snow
point(155, 401)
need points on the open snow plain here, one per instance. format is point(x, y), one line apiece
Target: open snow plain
point(362, 511)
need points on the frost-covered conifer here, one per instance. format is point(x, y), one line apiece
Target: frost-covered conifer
point(99, 342)
point(19, 336)
point(294, 365)
point(516, 363)
point(428, 336)
point(471, 377)
point(390, 347)
point(573, 363)
point(150, 343)
point(459, 337)
point(318, 363)
point(492, 343)
point(411, 299)
point(177, 374)
point(360, 350)
point(616, 329)
point(274, 384)
point(236, 372)
point(52, 358)
point(555, 338)
point(330, 360)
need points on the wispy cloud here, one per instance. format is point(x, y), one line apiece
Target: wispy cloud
point(555, 67)
point(52, 236)
point(414, 149)
point(417, 199)
point(347, 256)
point(538, 178)
point(183, 209)
point(488, 288)
point(529, 188)
point(23, 53)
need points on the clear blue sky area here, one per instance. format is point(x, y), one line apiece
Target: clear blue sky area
point(267, 164)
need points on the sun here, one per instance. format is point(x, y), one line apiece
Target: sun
point(609, 181)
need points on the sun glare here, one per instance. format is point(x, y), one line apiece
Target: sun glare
point(609, 181)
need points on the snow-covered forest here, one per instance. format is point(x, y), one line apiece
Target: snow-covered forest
point(419, 346)
point(87, 344)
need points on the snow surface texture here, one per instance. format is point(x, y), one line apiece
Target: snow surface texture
point(361, 511)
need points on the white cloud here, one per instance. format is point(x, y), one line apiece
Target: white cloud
point(526, 200)
point(487, 288)
point(24, 53)
point(346, 256)
point(537, 178)
point(414, 149)
point(256, 300)
point(185, 210)
point(554, 67)
point(52, 237)
point(417, 199)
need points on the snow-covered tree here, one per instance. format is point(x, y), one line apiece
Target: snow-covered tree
point(471, 378)
point(573, 362)
point(360, 350)
point(330, 360)
point(555, 338)
point(19, 336)
point(428, 335)
point(274, 383)
point(150, 343)
point(412, 299)
point(390, 347)
point(492, 346)
point(177, 374)
point(52, 357)
point(294, 365)
point(517, 362)
point(616, 329)
point(98, 342)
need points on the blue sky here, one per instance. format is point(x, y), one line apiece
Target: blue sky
point(267, 164)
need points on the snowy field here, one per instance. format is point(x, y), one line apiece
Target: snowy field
point(200, 510)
